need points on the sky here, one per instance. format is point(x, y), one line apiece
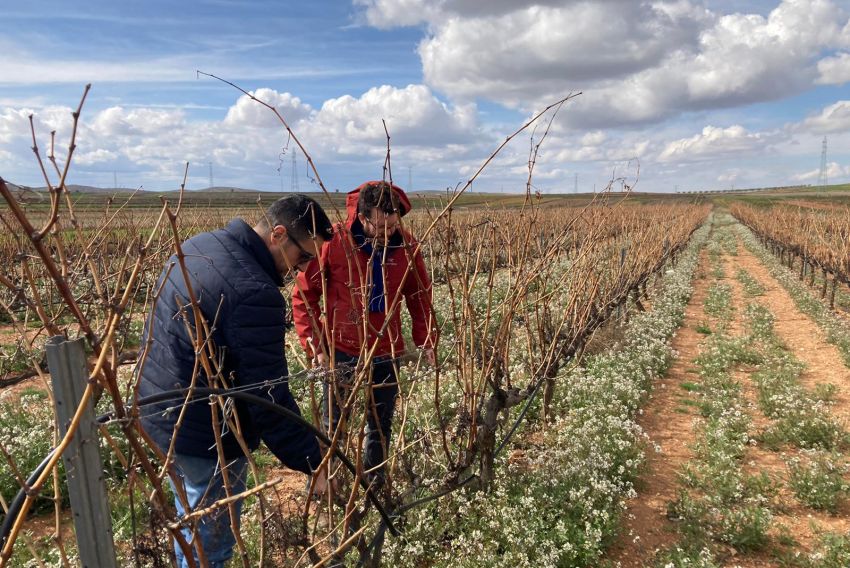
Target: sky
point(678, 95)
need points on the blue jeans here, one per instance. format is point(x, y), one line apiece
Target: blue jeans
point(204, 486)
point(379, 418)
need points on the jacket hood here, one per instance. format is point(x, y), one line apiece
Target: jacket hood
point(354, 196)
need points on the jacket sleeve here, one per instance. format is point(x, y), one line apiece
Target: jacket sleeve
point(417, 294)
point(306, 309)
point(255, 334)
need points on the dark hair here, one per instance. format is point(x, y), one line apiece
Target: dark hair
point(301, 215)
point(381, 195)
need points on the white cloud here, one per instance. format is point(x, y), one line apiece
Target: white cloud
point(400, 13)
point(593, 138)
point(31, 101)
point(635, 61)
point(741, 59)
point(95, 156)
point(392, 13)
point(21, 66)
point(834, 70)
point(153, 121)
point(834, 172)
point(423, 130)
point(543, 51)
point(834, 118)
point(247, 112)
point(15, 126)
point(414, 117)
point(595, 148)
point(729, 177)
point(13, 123)
point(113, 122)
point(581, 154)
point(713, 143)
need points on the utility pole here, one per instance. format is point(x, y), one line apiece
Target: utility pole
point(823, 179)
point(114, 179)
point(293, 182)
point(575, 189)
point(409, 179)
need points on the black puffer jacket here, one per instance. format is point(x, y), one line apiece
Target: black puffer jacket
point(234, 278)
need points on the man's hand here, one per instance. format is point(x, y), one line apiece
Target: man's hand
point(320, 360)
point(320, 486)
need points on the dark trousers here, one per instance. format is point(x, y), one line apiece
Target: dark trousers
point(381, 394)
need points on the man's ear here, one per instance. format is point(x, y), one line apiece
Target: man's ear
point(278, 234)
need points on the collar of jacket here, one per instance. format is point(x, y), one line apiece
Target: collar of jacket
point(247, 237)
point(365, 245)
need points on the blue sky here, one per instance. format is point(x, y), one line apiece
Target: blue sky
point(701, 94)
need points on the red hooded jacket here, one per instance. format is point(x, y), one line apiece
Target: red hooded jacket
point(348, 283)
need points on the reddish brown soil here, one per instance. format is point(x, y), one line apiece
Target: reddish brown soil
point(823, 365)
point(10, 335)
point(802, 337)
point(646, 528)
point(670, 425)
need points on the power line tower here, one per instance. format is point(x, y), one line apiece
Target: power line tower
point(823, 179)
point(211, 176)
point(293, 182)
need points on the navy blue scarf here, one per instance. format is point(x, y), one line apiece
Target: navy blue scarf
point(377, 298)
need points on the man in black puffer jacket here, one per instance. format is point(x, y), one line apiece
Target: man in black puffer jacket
point(235, 274)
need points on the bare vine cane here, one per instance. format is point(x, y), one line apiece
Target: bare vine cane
point(101, 368)
point(54, 191)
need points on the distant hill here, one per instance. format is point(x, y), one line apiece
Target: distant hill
point(224, 190)
point(75, 188)
point(227, 196)
point(26, 194)
point(216, 190)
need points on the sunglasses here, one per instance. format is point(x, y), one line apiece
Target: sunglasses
point(380, 229)
point(303, 255)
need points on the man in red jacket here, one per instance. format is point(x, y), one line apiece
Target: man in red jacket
point(364, 272)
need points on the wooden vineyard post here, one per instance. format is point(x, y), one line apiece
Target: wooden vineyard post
point(83, 467)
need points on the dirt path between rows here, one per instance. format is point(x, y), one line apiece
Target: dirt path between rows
point(802, 336)
point(824, 364)
point(646, 528)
